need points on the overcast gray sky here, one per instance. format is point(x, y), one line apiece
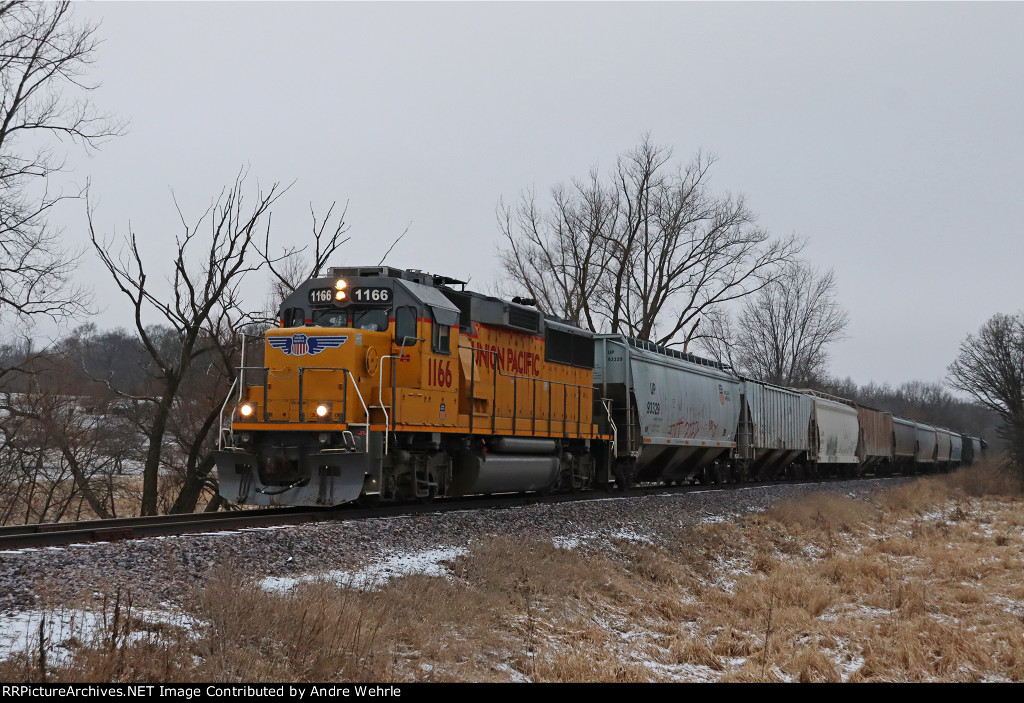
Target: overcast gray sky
point(889, 135)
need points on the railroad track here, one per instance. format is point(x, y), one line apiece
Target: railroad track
point(58, 534)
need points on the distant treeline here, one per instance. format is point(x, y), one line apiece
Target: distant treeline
point(103, 362)
point(921, 401)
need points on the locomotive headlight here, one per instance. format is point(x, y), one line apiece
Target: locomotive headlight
point(246, 409)
point(340, 285)
point(323, 409)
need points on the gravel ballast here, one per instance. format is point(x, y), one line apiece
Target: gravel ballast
point(167, 570)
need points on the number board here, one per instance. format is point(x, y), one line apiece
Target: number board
point(370, 295)
point(321, 295)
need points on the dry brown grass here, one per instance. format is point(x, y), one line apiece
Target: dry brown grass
point(925, 583)
point(237, 632)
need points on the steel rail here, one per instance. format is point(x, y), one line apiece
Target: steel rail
point(63, 534)
point(52, 534)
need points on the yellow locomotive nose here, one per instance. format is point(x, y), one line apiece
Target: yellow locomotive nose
point(323, 374)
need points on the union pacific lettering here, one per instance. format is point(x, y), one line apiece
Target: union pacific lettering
point(522, 363)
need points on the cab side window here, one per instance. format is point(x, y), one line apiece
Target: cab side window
point(293, 317)
point(405, 324)
point(442, 338)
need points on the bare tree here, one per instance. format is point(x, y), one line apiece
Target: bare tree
point(783, 331)
point(645, 254)
point(44, 55)
point(990, 368)
point(203, 303)
point(62, 452)
point(562, 258)
point(290, 268)
point(718, 337)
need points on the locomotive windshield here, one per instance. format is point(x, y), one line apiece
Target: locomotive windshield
point(371, 320)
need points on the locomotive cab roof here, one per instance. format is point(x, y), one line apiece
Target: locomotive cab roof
point(425, 291)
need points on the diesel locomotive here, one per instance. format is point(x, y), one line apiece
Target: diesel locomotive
point(387, 384)
point(382, 384)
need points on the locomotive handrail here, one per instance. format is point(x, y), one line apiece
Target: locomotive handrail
point(302, 413)
point(241, 388)
point(242, 369)
point(380, 386)
point(344, 400)
point(241, 374)
point(224, 405)
point(241, 391)
point(606, 403)
point(362, 402)
point(380, 397)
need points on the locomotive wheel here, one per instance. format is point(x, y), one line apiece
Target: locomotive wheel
point(431, 491)
point(623, 473)
point(556, 485)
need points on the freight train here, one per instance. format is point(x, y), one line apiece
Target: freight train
point(382, 384)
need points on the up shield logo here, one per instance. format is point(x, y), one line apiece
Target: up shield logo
point(300, 344)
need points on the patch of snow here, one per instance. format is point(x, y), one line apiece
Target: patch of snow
point(690, 673)
point(833, 614)
point(625, 534)
point(734, 663)
point(429, 562)
point(631, 536)
point(64, 628)
point(516, 675)
point(1011, 606)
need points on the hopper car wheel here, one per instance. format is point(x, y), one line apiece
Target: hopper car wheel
point(716, 475)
